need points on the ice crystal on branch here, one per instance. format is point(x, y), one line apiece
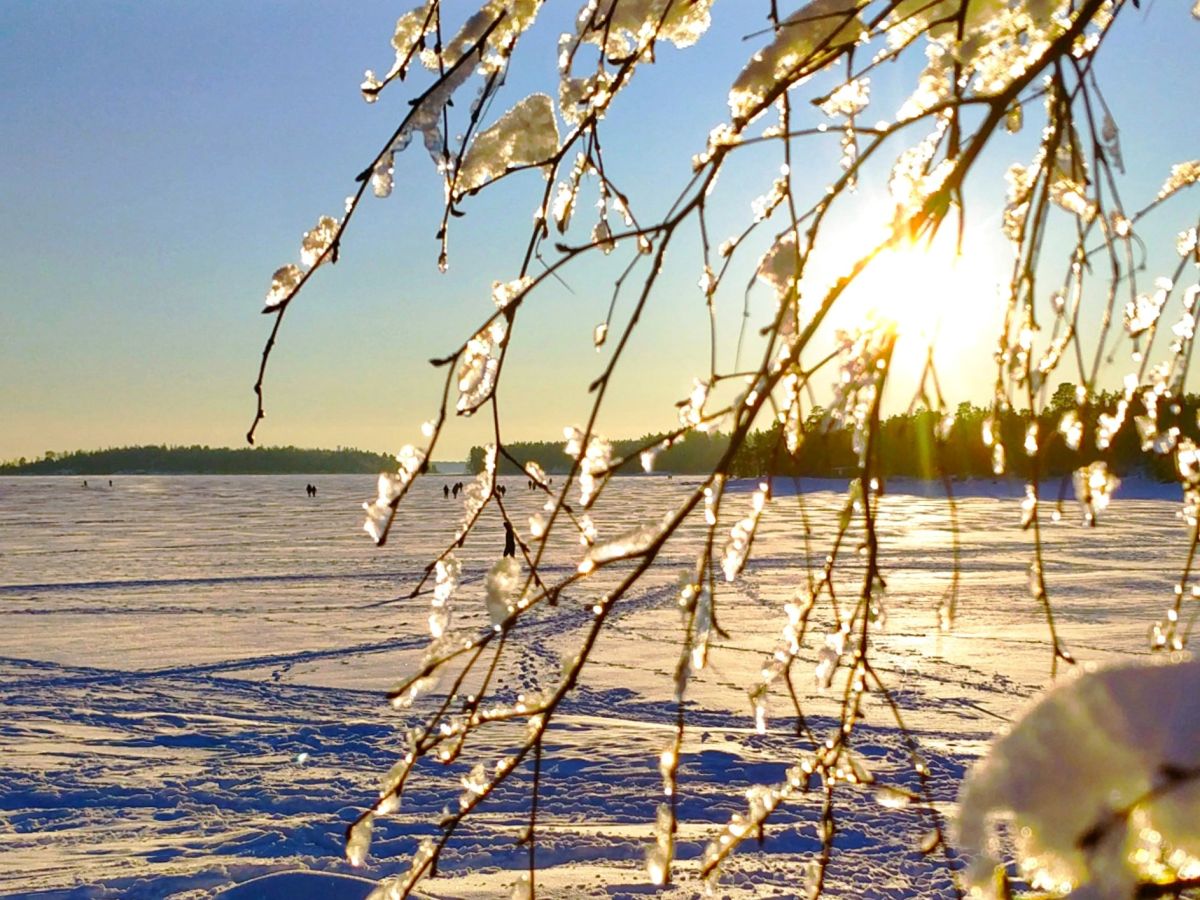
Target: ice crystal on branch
point(524, 136)
point(742, 535)
point(447, 573)
point(627, 24)
point(505, 292)
point(283, 284)
point(1182, 175)
point(479, 365)
point(632, 543)
point(503, 587)
point(805, 42)
point(595, 461)
point(318, 241)
point(848, 99)
point(1094, 487)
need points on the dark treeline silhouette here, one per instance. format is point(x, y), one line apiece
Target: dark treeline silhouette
point(198, 460)
point(908, 445)
point(695, 452)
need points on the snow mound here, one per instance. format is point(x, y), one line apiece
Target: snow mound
point(1098, 785)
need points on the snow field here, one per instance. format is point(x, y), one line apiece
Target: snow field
point(192, 672)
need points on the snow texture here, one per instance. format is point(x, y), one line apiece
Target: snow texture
point(1098, 784)
point(193, 671)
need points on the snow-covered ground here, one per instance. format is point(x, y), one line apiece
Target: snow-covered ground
point(192, 669)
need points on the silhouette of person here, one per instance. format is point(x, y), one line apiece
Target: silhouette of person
point(314, 487)
point(445, 490)
point(110, 482)
point(502, 490)
point(85, 482)
point(510, 540)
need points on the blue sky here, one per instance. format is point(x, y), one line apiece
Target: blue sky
point(159, 161)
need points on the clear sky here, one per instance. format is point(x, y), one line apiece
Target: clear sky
point(159, 160)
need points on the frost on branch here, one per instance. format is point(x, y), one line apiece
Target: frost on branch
point(628, 24)
point(283, 283)
point(1094, 487)
point(1143, 311)
point(479, 365)
point(447, 573)
point(780, 269)
point(632, 543)
point(318, 241)
point(742, 536)
point(595, 462)
point(483, 44)
point(505, 292)
point(1182, 175)
point(476, 494)
point(314, 248)
point(391, 487)
point(915, 178)
point(660, 855)
point(503, 587)
point(410, 32)
point(848, 99)
point(1098, 784)
point(524, 136)
point(806, 41)
point(359, 840)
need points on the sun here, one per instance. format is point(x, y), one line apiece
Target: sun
point(935, 295)
point(926, 291)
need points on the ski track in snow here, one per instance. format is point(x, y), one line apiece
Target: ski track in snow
point(192, 675)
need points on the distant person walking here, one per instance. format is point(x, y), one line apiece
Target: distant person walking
point(510, 540)
point(446, 491)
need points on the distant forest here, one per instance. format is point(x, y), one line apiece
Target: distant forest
point(907, 448)
point(198, 460)
point(907, 445)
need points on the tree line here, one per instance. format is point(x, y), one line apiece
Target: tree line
point(202, 460)
point(921, 444)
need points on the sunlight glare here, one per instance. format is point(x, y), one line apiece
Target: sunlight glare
point(919, 289)
point(932, 296)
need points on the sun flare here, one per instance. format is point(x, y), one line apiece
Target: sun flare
point(935, 296)
point(925, 291)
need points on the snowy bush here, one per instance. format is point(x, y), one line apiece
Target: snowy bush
point(959, 73)
point(1098, 786)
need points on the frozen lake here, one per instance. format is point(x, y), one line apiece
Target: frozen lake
point(192, 670)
